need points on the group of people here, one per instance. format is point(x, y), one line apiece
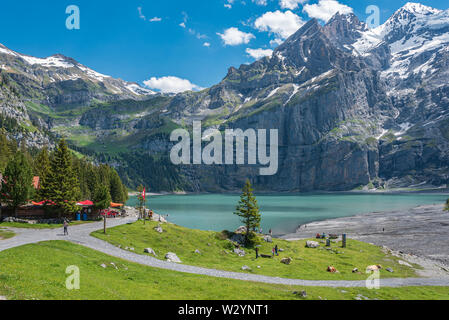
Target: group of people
point(274, 251)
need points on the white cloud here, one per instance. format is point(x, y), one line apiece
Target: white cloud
point(234, 37)
point(185, 17)
point(283, 24)
point(141, 16)
point(291, 4)
point(260, 2)
point(155, 19)
point(276, 42)
point(206, 44)
point(326, 9)
point(259, 53)
point(171, 84)
point(229, 4)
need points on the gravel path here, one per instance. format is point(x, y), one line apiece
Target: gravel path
point(81, 235)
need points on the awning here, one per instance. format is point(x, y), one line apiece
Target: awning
point(85, 203)
point(43, 203)
point(116, 205)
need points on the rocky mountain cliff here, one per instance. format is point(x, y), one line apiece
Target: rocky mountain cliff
point(355, 108)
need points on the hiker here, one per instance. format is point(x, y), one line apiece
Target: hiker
point(66, 225)
point(271, 232)
point(151, 215)
point(276, 249)
point(260, 230)
point(257, 252)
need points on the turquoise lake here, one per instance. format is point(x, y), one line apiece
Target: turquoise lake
point(283, 213)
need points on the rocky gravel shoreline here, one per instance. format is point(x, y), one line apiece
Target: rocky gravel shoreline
point(419, 235)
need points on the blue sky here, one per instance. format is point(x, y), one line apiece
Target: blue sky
point(147, 40)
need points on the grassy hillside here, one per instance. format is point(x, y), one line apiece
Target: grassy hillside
point(217, 252)
point(38, 272)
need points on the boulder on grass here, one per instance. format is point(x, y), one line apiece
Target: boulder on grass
point(312, 244)
point(150, 251)
point(240, 230)
point(246, 268)
point(331, 269)
point(159, 229)
point(172, 257)
point(268, 239)
point(286, 261)
point(239, 252)
point(374, 268)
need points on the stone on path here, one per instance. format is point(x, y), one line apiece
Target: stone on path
point(172, 257)
point(150, 251)
point(286, 261)
point(312, 244)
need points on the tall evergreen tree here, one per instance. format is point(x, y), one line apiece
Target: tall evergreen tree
point(42, 170)
point(248, 210)
point(116, 187)
point(6, 150)
point(16, 188)
point(61, 186)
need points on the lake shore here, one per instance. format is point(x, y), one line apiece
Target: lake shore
point(373, 191)
point(420, 232)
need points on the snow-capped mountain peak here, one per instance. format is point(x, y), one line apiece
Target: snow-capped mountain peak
point(59, 68)
point(418, 8)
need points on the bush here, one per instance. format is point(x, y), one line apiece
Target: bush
point(224, 235)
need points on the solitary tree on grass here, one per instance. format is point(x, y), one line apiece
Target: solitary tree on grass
point(248, 210)
point(102, 200)
point(16, 185)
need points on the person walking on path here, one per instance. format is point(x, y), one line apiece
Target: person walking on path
point(66, 226)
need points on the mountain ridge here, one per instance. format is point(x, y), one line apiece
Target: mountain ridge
point(355, 108)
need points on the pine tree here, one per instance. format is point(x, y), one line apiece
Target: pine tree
point(42, 169)
point(248, 210)
point(102, 198)
point(116, 187)
point(61, 185)
point(16, 188)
